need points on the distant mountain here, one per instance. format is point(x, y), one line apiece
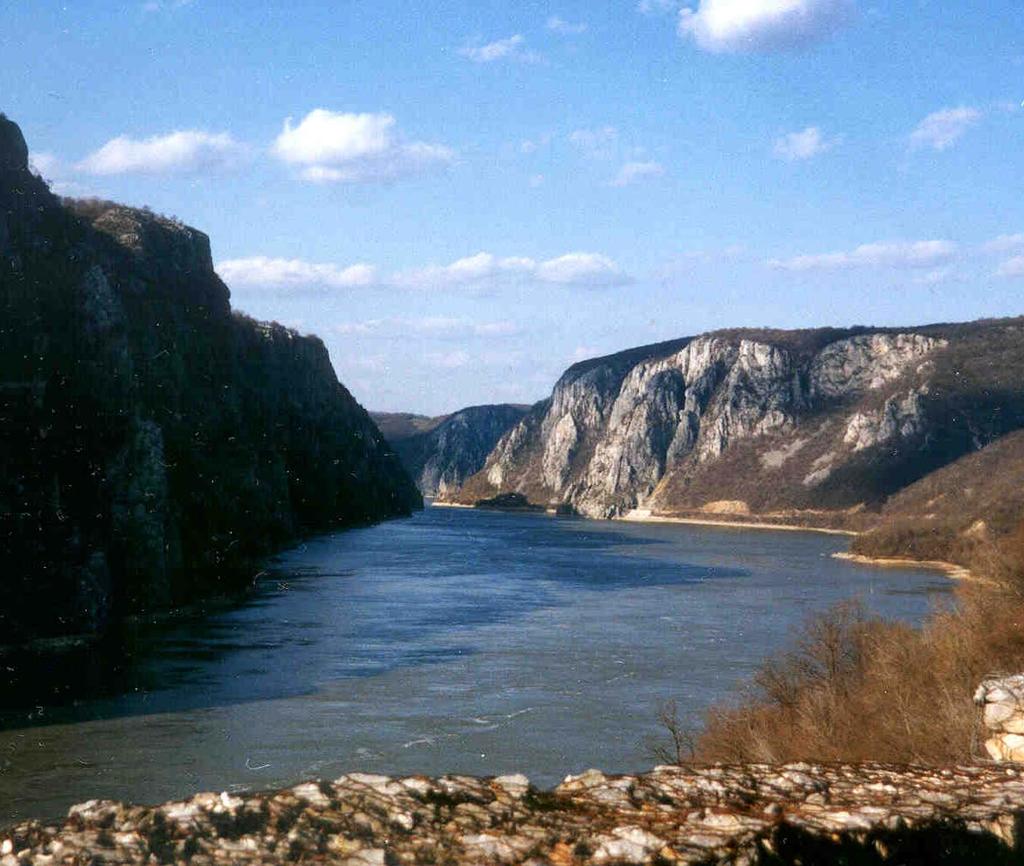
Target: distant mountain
point(154, 445)
point(397, 426)
point(441, 453)
point(808, 427)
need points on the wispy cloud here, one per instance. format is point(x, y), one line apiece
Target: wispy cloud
point(632, 172)
point(940, 130)
point(565, 28)
point(803, 145)
point(448, 360)
point(762, 25)
point(184, 151)
point(654, 7)
point(600, 141)
point(511, 48)
point(45, 164)
point(159, 5)
point(343, 147)
point(910, 254)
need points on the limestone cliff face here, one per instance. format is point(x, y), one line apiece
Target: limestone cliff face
point(441, 453)
point(765, 422)
point(153, 445)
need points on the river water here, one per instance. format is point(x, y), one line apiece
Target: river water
point(454, 641)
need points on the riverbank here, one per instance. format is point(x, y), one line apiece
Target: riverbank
point(957, 572)
point(754, 814)
point(643, 516)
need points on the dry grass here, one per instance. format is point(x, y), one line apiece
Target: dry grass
point(855, 688)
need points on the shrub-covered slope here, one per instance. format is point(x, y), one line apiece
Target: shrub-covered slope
point(153, 444)
point(966, 512)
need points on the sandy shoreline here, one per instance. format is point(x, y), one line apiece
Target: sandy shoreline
point(633, 517)
point(957, 572)
point(731, 524)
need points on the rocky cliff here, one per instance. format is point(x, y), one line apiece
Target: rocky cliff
point(816, 426)
point(441, 453)
point(153, 444)
point(747, 814)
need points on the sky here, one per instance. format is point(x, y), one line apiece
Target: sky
point(463, 198)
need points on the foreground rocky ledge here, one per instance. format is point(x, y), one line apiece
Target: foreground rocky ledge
point(797, 813)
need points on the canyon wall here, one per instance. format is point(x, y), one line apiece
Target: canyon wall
point(441, 453)
point(820, 425)
point(153, 443)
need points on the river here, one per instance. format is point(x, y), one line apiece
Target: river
point(454, 641)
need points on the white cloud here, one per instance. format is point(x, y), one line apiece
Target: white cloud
point(942, 129)
point(912, 254)
point(437, 327)
point(263, 272)
point(1005, 244)
point(184, 151)
point(762, 25)
point(798, 146)
point(634, 171)
point(1012, 267)
point(565, 28)
point(512, 48)
point(573, 269)
point(581, 269)
point(338, 147)
point(536, 180)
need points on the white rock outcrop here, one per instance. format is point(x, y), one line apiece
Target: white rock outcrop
point(616, 429)
point(1002, 702)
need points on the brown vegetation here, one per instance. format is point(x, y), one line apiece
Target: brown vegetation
point(856, 688)
point(966, 512)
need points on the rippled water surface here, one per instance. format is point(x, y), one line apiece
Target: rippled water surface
point(454, 641)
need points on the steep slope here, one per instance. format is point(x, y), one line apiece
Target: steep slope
point(803, 426)
point(152, 443)
point(957, 513)
point(441, 453)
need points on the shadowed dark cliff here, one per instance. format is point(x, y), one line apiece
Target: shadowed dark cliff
point(153, 444)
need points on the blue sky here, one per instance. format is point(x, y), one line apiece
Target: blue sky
point(464, 198)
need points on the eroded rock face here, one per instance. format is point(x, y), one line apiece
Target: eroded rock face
point(442, 457)
point(753, 814)
point(642, 431)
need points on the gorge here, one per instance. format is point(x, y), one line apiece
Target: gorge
point(815, 428)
